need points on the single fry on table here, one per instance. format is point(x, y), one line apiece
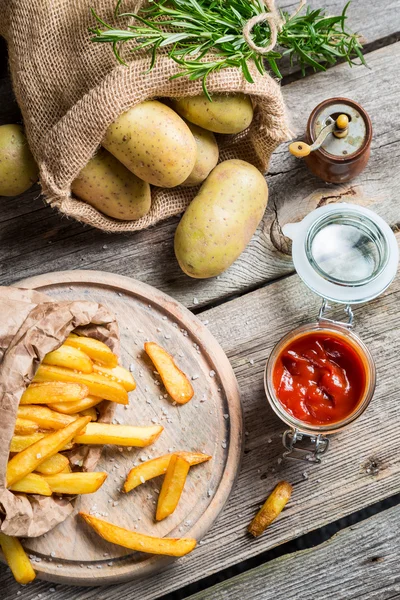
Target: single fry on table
point(175, 381)
point(172, 487)
point(50, 392)
point(139, 541)
point(120, 435)
point(17, 559)
point(272, 507)
point(158, 466)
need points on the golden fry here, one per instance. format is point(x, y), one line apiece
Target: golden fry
point(89, 412)
point(176, 383)
point(25, 426)
point(119, 374)
point(158, 466)
point(172, 487)
point(66, 470)
point(120, 435)
point(49, 392)
point(272, 507)
point(20, 442)
point(44, 416)
point(75, 483)
point(32, 484)
point(17, 559)
point(72, 408)
point(70, 358)
point(96, 350)
point(28, 460)
point(139, 541)
point(53, 465)
point(98, 385)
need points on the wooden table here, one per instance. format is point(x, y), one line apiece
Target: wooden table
point(248, 309)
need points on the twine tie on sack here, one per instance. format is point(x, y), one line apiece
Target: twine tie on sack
point(275, 25)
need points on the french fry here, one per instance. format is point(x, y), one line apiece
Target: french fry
point(272, 507)
point(75, 483)
point(89, 412)
point(28, 460)
point(53, 465)
point(95, 349)
point(25, 426)
point(66, 470)
point(50, 392)
point(172, 487)
point(98, 385)
point(175, 381)
point(32, 484)
point(69, 357)
point(139, 541)
point(158, 466)
point(119, 374)
point(120, 435)
point(20, 442)
point(44, 417)
point(72, 408)
point(17, 559)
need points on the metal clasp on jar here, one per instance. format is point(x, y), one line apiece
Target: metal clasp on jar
point(316, 446)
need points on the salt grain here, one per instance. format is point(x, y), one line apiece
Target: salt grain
point(226, 416)
point(195, 301)
point(194, 377)
point(212, 373)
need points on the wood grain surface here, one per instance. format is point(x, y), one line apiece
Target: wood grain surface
point(211, 423)
point(360, 562)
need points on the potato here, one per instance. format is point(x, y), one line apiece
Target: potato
point(225, 114)
point(18, 170)
point(153, 142)
point(111, 188)
point(207, 155)
point(220, 221)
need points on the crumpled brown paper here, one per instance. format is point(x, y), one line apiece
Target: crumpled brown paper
point(31, 325)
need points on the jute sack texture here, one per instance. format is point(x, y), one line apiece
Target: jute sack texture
point(32, 325)
point(70, 89)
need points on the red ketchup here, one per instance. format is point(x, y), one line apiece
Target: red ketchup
point(319, 378)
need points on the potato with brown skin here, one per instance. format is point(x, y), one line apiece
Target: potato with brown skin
point(112, 189)
point(18, 170)
point(222, 218)
point(207, 155)
point(153, 142)
point(225, 114)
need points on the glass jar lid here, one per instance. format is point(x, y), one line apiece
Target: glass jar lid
point(344, 252)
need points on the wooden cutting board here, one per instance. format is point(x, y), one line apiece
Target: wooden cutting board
point(211, 422)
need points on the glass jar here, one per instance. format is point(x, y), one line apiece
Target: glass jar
point(347, 255)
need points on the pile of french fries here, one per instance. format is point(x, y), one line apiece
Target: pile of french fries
point(58, 412)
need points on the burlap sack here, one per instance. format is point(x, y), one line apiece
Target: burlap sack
point(31, 325)
point(70, 90)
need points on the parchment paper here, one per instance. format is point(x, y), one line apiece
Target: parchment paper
point(31, 325)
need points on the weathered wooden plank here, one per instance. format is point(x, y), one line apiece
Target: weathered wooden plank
point(248, 328)
point(60, 243)
point(358, 562)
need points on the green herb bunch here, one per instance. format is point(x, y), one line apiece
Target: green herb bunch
point(193, 30)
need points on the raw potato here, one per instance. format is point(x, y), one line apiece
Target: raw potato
point(220, 221)
point(158, 466)
point(153, 142)
point(272, 507)
point(175, 381)
point(120, 435)
point(109, 186)
point(17, 559)
point(207, 155)
point(225, 114)
point(172, 487)
point(139, 541)
point(69, 357)
point(53, 392)
point(18, 170)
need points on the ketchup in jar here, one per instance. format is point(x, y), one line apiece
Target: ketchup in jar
point(319, 378)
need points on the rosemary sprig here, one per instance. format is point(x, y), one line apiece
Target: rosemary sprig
point(189, 30)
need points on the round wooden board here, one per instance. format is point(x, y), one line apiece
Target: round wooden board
point(211, 422)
